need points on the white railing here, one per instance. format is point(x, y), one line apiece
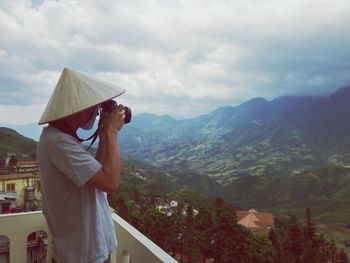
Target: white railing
point(133, 246)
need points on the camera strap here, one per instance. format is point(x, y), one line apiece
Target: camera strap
point(65, 128)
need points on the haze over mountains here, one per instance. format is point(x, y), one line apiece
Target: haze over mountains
point(280, 137)
point(281, 155)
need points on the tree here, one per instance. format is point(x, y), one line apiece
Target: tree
point(12, 162)
point(259, 249)
point(294, 241)
point(204, 227)
point(174, 242)
point(136, 196)
point(191, 250)
point(309, 229)
point(276, 244)
point(154, 225)
point(134, 214)
point(343, 258)
point(229, 238)
point(122, 209)
point(311, 245)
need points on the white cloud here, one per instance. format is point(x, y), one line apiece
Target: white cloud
point(178, 57)
point(21, 114)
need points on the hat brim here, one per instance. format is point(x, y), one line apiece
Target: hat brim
point(76, 113)
point(75, 93)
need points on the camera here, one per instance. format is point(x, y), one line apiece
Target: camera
point(110, 105)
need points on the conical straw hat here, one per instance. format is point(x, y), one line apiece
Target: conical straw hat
point(76, 92)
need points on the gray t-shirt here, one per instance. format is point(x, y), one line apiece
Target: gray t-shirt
point(78, 216)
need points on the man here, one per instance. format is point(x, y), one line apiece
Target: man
point(73, 183)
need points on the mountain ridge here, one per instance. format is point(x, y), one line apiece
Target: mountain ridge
point(33, 130)
point(13, 142)
point(286, 135)
point(324, 188)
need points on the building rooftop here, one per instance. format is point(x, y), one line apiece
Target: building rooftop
point(19, 175)
point(254, 220)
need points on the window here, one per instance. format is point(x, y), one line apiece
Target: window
point(10, 187)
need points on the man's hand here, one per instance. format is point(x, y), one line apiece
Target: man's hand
point(108, 178)
point(111, 124)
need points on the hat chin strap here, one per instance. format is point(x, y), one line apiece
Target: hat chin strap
point(65, 128)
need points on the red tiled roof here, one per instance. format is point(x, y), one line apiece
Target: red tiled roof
point(255, 220)
point(26, 163)
point(18, 175)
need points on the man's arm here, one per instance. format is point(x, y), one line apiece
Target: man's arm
point(108, 178)
point(101, 150)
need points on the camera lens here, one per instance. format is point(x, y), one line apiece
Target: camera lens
point(127, 114)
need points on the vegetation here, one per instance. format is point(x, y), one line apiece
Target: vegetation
point(314, 188)
point(297, 242)
point(214, 233)
point(13, 142)
point(284, 136)
point(325, 190)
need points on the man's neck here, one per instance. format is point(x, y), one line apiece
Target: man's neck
point(72, 124)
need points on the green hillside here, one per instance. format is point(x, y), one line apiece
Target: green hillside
point(11, 141)
point(284, 136)
point(325, 190)
point(145, 178)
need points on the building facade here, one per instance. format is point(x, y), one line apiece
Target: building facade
point(20, 189)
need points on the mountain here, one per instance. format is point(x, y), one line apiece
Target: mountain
point(12, 142)
point(287, 135)
point(30, 130)
point(324, 190)
point(136, 175)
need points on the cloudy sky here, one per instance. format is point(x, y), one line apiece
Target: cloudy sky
point(178, 57)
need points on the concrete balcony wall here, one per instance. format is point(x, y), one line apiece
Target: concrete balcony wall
point(133, 246)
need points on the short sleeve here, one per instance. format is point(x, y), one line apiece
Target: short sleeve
point(74, 161)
